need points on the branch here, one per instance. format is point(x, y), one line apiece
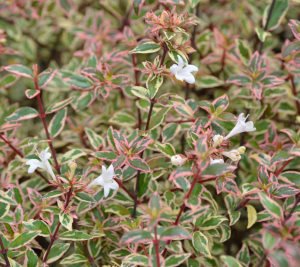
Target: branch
point(4, 253)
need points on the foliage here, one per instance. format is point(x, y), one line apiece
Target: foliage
point(149, 133)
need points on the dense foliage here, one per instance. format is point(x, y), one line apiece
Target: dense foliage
point(149, 133)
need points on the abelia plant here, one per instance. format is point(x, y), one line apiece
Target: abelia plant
point(149, 133)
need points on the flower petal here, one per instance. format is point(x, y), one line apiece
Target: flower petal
point(111, 171)
point(181, 62)
point(106, 190)
point(34, 164)
point(98, 181)
point(114, 185)
point(189, 78)
point(191, 68)
point(174, 68)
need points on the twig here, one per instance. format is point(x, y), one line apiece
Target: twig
point(294, 91)
point(4, 253)
point(156, 246)
point(43, 117)
point(53, 237)
point(133, 215)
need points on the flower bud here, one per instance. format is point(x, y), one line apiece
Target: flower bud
point(178, 160)
point(242, 150)
point(216, 161)
point(234, 154)
point(217, 140)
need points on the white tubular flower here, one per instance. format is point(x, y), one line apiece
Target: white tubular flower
point(183, 71)
point(43, 163)
point(241, 126)
point(234, 154)
point(216, 161)
point(178, 160)
point(217, 140)
point(106, 180)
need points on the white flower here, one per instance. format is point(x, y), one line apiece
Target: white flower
point(106, 180)
point(217, 140)
point(43, 163)
point(241, 126)
point(178, 160)
point(234, 154)
point(216, 161)
point(183, 71)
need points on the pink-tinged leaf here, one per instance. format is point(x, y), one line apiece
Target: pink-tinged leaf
point(240, 80)
point(136, 236)
point(291, 177)
point(139, 164)
point(263, 175)
point(256, 62)
point(257, 88)
point(105, 155)
point(271, 81)
point(221, 103)
point(24, 113)
point(295, 27)
point(284, 191)
point(19, 70)
point(46, 77)
point(184, 110)
point(31, 93)
point(271, 206)
point(174, 233)
point(281, 156)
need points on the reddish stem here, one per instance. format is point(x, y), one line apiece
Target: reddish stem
point(156, 246)
point(124, 188)
point(294, 91)
point(4, 253)
point(53, 237)
point(43, 117)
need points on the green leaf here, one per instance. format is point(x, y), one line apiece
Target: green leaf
point(75, 235)
point(74, 259)
point(52, 194)
point(19, 70)
point(7, 81)
point(4, 208)
point(57, 123)
point(58, 105)
point(32, 258)
point(230, 261)
point(252, 216)
point(31, 93)
point(38, 225)
point(271, 206)
point(66, 220)
point(211, 222)
point(261, 34)
point(146, 48)
point(139, 164)
point(269, 241)
point(79, 82)
point(176, 260)
point(170, 131)
point(208, 81)
point(24, 113)
point(23, 239)
point(45, 77)
point(136, 260)
point(136, 236)
point(123, 118)
point(95, 139)
point(140, 92)
point(174, 233)
point(166, 149)
point(244, 50)
point(158, 118)
point(153, 85)
point(72, 155)
point(216, 169)
point(200, 243)
point(105, 155)
point(57, 251)
point(279, 10)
